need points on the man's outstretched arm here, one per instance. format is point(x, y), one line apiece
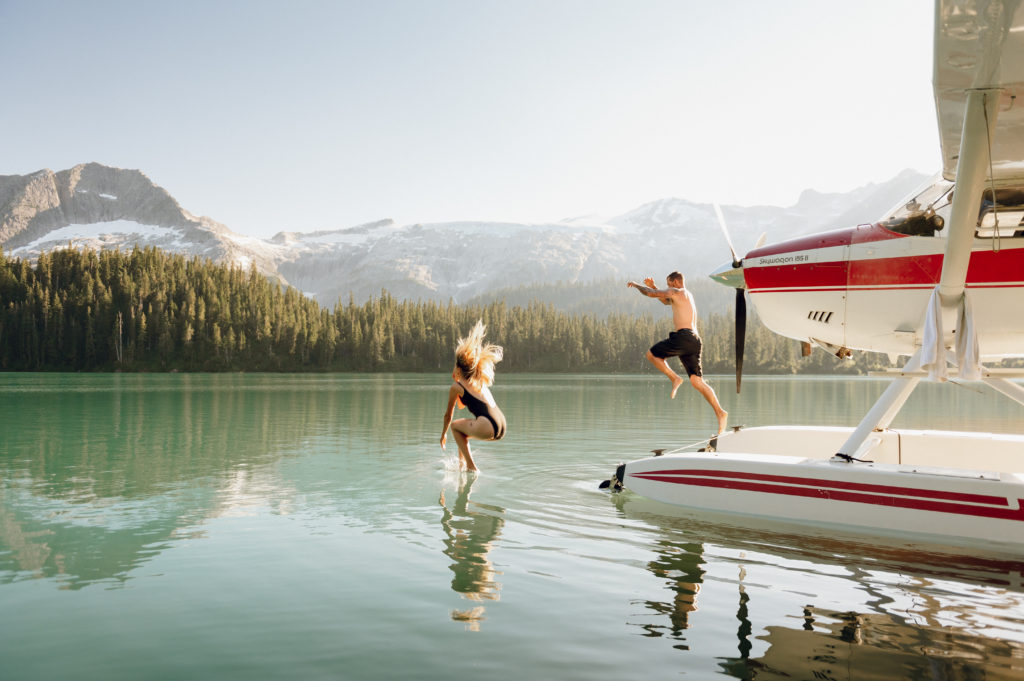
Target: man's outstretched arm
point(650, 291)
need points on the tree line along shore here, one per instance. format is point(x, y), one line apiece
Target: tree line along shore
point(147, 310)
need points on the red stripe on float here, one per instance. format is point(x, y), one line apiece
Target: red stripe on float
point(938, 501)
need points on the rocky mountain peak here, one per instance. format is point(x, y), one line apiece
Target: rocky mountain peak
point(31, 206)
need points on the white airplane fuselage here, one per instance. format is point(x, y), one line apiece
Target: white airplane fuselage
point(867, 288)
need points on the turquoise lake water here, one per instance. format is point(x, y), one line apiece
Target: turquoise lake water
point(309, 527)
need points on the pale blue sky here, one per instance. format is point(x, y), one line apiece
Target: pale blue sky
point(303, 115)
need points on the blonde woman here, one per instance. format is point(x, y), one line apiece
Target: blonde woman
point(473, 374)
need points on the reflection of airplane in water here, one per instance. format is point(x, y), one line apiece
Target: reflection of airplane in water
point(927, 615)
point(471, 529)
point(859, 646)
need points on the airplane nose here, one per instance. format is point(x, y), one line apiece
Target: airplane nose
point(730, 276)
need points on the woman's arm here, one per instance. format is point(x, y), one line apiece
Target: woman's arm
point(453, 397)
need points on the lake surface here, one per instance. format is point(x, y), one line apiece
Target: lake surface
point(307, 526)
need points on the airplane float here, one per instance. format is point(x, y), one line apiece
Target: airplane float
point(939, 279)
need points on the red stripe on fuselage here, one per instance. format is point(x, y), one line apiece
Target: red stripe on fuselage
point(986, 268)
point(886, 273)
point(814, 275)
point(996, 267)
point(918, 270)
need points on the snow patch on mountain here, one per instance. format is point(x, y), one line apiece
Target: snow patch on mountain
point(351, 236)
point(100, 235)
point(662, 214)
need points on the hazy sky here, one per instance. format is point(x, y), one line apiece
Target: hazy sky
point(303, 115)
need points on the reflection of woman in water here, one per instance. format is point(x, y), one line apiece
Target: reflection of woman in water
point(473, 374)
point(471, 529)
point(682, 565)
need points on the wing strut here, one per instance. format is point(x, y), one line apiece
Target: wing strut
point(971, 172)
point(949, 309)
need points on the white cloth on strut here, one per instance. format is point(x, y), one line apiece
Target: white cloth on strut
point(967, 343)
point(932, 357)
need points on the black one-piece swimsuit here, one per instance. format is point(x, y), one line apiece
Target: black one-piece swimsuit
point(478, 407)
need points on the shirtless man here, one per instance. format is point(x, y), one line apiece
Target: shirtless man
point(683, 343)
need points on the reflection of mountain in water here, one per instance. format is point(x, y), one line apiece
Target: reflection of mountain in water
point(471, 530)
point(927, 613)
point(104, 472)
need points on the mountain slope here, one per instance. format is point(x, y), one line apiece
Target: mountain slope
point(97, 206)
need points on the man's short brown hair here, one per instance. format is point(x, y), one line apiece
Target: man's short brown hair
point(675, 275)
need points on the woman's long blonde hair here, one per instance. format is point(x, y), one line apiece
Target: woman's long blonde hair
point(476, 359)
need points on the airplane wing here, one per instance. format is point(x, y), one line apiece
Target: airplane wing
point(979, 75)
point(979, 44)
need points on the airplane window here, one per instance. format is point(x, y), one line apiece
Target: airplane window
point(916, 223)
point(922, 213)
point(1003, 217)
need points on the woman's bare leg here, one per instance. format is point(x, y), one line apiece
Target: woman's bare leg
point(463, 443)
point(465, 429)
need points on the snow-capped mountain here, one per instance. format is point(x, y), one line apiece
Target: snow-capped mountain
point(96, 206)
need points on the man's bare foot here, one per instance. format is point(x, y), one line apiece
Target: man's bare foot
point(676, 382)
point(723, 421)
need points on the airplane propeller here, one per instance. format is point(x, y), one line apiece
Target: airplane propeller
point(733, 276)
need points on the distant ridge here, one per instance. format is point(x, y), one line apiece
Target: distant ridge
point(97, 206)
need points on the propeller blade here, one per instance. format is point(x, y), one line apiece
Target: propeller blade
point(741, 332)
point(725, 231)
point(734, 277)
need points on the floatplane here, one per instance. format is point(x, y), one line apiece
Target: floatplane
point(939, 280)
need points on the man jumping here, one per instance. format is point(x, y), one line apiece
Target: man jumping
point(683, 343)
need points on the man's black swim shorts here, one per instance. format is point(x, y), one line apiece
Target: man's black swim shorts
point(684, 344)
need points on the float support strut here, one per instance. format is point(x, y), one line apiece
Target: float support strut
point(1008, 388)
point(880, 415)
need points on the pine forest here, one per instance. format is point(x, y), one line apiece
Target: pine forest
point(146, 310)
